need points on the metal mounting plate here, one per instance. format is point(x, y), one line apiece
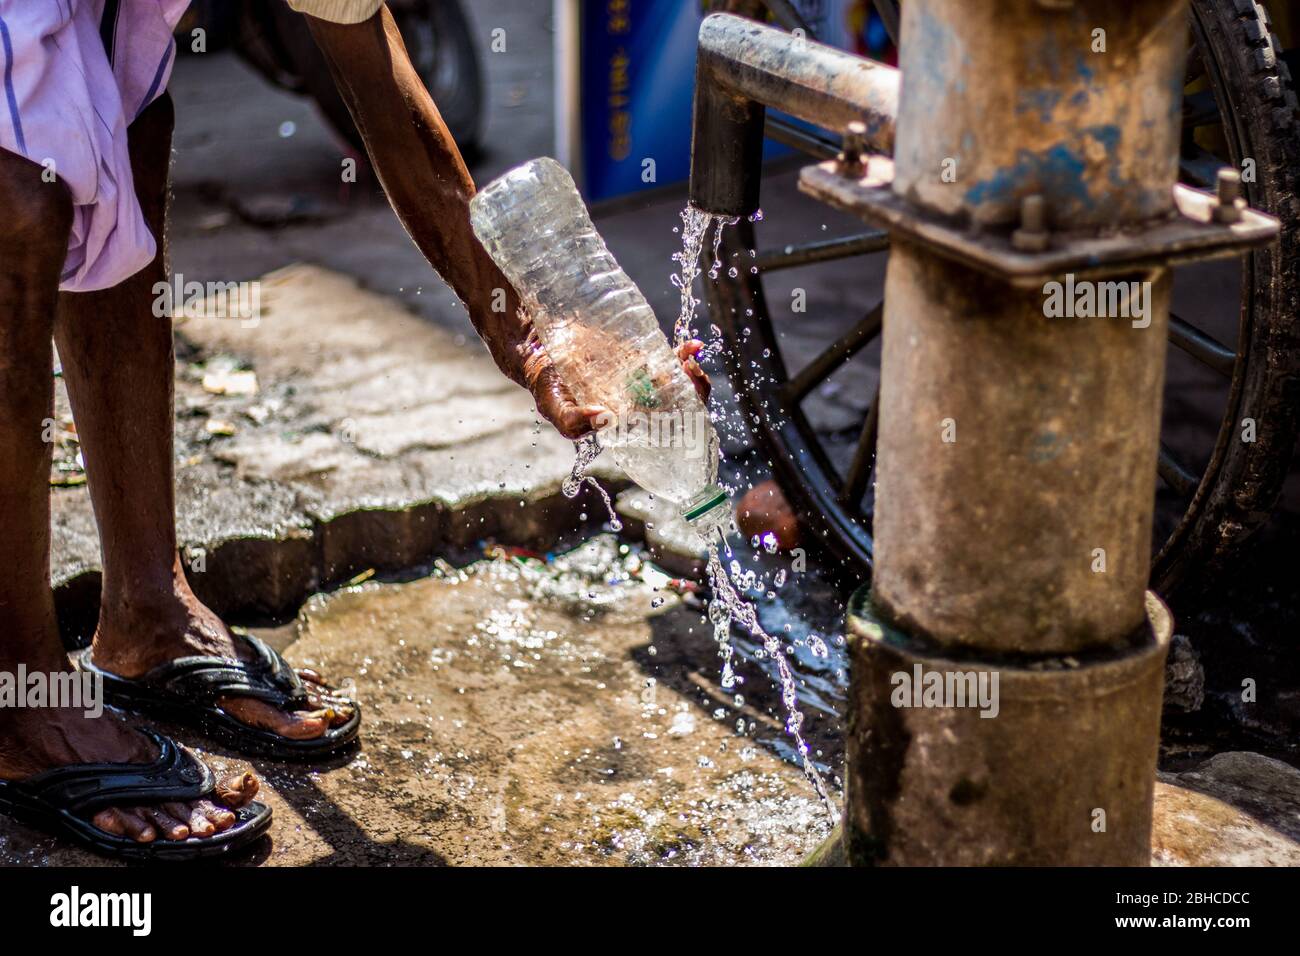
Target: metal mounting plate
point(1188, 235)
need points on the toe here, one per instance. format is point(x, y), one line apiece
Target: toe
point(237, 789)
point(219, 817)
point(294, 725)
point(199, 823)
point(165, 823)
point(337, 710)
point(178, 811)
point(137, 827)
point(110, 820)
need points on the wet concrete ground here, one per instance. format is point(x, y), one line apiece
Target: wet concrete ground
point(520, 711)
point(565, 710)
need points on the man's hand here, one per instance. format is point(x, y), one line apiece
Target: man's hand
point(687, 353)
point(556, 403)
point(429, 187)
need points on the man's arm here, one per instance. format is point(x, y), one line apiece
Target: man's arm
point(426, 181)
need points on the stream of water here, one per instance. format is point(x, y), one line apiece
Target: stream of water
point(588, 450)
point(727, 605)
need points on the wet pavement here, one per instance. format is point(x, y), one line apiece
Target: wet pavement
point(565, 710)
point(524, 711)
point(358, 438)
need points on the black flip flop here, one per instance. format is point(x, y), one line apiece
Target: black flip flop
point(186, 691)
point(62, 802)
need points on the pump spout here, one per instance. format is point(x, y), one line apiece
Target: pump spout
point(743, 67)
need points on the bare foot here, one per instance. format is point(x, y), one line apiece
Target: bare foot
point(32, 742)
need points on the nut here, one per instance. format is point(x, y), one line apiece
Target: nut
point(1228, 203)
point(1032, 236)
point(850, 161)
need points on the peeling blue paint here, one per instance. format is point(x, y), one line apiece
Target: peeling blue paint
point(1047, 446)
point(1060, 171)
point(1057, 172)
point(1082, 69)
point(1042, 100)
point(1108, 134)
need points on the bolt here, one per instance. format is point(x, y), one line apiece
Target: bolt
point(1228, 203)
point(1032, 236)
point(850, 163)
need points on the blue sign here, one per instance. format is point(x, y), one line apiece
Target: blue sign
point(635, 78)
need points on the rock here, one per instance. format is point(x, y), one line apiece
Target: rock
point(1184, 677)
point(1266, 788)
point(766, 508)
point(1236, 809)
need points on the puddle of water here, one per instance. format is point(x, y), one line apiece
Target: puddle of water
point(548, 710)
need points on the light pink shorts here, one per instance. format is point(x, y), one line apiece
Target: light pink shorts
point(74, 74)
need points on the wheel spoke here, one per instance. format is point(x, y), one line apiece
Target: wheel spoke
point(839, 352)
point(1195, 65)
point(864, 457)
point(826, 250)
point(1199, 166)
point(1202, 347)
point(1175, 474)
point(801, 138)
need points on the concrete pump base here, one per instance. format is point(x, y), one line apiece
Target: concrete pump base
point(963, 759)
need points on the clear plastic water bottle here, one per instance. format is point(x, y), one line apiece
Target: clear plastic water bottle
point(603, 337)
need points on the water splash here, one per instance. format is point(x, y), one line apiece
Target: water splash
point(587, 450)
point(695, 229)
point(727, 606)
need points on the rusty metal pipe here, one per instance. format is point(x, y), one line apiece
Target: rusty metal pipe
point(743, 67)
point(1080, 103)
point(1030, 531)
point(1017, 448)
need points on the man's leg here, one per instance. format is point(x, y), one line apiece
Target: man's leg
point(33, 243)
point(118, 362)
